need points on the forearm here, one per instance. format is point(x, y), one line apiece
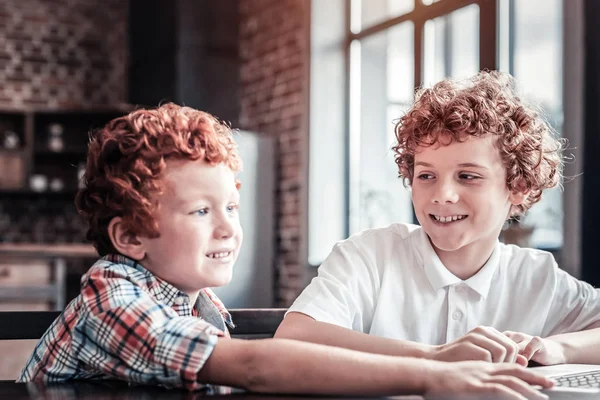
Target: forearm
point(288, 366)
point(301, 327)
point(579, 347)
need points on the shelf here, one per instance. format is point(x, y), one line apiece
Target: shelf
point(31, 293)
point(30, 192)
point(91, 109)
point(48, 250)
point(71, 151)
point(35, 157)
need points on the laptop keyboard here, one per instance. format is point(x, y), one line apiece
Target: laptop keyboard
point(582, 379)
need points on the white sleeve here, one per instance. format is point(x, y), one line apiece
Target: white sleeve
point(575, 305)
point(344, 291)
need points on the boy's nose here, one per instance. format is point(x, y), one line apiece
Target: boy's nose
point(224, 228)
point(444, 194)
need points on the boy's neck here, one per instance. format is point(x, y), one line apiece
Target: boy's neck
point(193, 297)
point(466, 261)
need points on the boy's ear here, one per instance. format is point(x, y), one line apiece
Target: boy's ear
point(124, 241)
point(517, 197)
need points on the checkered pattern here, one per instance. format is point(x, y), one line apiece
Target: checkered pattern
point(127, 324)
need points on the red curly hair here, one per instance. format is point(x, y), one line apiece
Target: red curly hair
point(486, 104)
point(127, 158)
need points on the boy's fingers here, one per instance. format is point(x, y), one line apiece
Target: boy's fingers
point(532, 347)
point(520, 387)
point(516, 336)
point(500, 392)
point(522, 360)
point(527, 375)
point(510, 346)
point(467, 351)
point(496, 351)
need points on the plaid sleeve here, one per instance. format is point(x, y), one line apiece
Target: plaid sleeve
point(123, 332)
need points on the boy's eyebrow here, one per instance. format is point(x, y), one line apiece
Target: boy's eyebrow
point(463, 165)
point(472, 165)
point(204, 196)
point(423, 163)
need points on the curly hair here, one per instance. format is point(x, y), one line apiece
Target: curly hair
point(127, 158)
point(485, 104)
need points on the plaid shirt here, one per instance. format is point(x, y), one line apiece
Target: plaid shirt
point(128, 324)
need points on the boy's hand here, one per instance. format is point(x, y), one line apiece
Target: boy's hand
point(474, 379)
point(543, 351)
point(483, 343)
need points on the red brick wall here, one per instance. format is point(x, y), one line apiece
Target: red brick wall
point(62, 53)
point(274, 51)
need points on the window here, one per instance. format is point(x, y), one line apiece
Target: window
point(365, 13)
point(381, 88)
point(451, 45)
point(389, 48)
point(530, 43)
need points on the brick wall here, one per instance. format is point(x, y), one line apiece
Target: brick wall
point(62, 53)
point(68, 53)
point(58, 54)
point(274, 51)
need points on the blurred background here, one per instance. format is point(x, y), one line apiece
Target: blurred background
point(314, 86)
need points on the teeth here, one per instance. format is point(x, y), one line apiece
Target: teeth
point(219, 255)
point(449, 218)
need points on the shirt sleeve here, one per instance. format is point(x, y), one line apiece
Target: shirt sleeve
point(344, 291)
point(123, 332)
point(575, 305)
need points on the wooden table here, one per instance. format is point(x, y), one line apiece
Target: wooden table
point(122, 391)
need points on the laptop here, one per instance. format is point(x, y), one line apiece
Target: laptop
point(573, 381)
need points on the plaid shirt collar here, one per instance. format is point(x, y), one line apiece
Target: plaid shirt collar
point(168, 294)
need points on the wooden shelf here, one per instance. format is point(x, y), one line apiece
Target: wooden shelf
point(94, 108)
point(45, 193)
point(69, 151)
point(35, 250)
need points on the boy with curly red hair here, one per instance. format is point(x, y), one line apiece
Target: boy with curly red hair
point(474, 155)
point(161, 200)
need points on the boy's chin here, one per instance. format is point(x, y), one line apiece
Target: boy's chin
point(221, 278)
point(444, 244)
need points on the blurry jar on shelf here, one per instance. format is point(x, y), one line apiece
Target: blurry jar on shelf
point(55, 137)
point(38, 182)
point(9, 140)
point(13, 161)
point(56, 184)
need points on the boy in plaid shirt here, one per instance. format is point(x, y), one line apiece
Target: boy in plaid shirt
point(161, 200)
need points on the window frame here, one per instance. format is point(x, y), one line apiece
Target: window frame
point(488, 59)
point(489, 55)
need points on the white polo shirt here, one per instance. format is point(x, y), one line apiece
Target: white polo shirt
point(389, 282)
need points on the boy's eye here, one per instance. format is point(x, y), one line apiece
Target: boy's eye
point(468, 177)
point(233, 208)
point(202, 211)
point(425, 177)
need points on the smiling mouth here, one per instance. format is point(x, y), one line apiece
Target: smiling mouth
point(447, 219)
point(222, 254)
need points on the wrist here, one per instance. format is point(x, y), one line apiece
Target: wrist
point(426, 351)
point(431, 352)
point(435, 371)
point(560, 352)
